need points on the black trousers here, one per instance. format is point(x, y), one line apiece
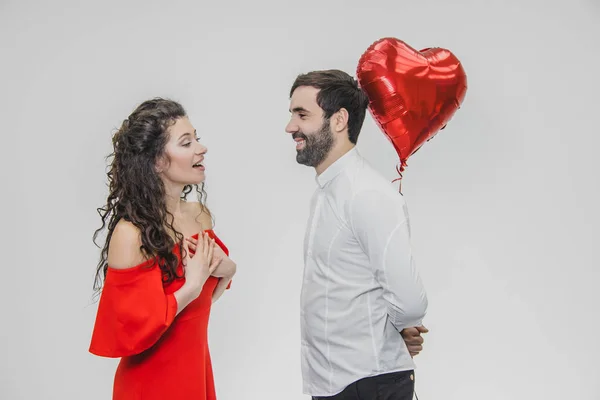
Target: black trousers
point(392, 386)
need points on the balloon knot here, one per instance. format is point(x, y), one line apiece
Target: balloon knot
point(400, 169)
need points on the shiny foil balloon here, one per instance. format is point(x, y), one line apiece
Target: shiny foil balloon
point(412, 94)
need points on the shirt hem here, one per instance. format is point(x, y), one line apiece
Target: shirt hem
point(339, 390)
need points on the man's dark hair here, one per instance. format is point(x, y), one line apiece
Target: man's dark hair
point(337, 90)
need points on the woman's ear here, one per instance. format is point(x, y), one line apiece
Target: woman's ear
point(161, 165)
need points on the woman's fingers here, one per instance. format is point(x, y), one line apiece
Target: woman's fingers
point(210, 250)
point(206, 245)
point(192, 245)
point(216, 261)
point(187, 255)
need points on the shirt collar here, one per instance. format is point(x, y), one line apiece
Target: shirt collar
point(338, 166)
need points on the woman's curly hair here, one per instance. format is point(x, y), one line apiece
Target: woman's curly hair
point(136, 191)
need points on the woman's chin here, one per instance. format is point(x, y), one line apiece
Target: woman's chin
point(197, 181)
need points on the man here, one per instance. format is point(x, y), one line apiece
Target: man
point(362, 297)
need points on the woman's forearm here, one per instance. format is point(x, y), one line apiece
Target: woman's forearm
point(220, 288)
point(186, 294)
point(226, 269)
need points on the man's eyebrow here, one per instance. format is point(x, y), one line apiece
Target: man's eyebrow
point(299, 110)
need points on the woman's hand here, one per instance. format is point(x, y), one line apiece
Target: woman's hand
point(226, 268)
point(202, 264)
point(197, 268)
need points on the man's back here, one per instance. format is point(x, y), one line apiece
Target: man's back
point(360, 287)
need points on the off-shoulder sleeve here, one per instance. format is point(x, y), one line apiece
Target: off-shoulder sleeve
point(218, 241)
point(133, 311)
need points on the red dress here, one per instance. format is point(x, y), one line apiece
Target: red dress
point(163, 356)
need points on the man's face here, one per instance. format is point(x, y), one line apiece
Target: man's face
point(309, 129)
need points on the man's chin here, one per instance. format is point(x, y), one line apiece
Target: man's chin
point(301, 160)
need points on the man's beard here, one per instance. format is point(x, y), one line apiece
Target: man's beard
point(316, 146)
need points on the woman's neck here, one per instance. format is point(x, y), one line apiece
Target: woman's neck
point(173, 200)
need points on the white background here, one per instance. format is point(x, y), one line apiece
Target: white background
point(503, 202)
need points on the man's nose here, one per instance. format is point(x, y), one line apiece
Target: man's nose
point(291, 127)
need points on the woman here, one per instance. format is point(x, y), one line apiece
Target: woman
point(162, 264)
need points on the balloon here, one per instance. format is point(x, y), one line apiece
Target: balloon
point(412, 94)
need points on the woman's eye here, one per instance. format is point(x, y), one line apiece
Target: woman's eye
point(198, 139)
point(187, 144)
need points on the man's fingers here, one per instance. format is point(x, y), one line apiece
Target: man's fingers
point(414, 349)
point(414, 331)
point(409, 332)
point(414, 340)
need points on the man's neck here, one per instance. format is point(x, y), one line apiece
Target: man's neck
point(334, 155)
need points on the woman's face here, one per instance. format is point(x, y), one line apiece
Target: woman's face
point(183, 164)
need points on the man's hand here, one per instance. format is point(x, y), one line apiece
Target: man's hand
point(413, 339)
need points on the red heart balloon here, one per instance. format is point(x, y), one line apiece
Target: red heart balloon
point(412, 94)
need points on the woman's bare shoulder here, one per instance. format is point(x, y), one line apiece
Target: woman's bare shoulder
point(124, 247)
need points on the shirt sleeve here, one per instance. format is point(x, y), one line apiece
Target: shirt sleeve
point(133, 311)
point(380, 223)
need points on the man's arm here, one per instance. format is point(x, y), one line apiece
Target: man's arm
point(380, 224)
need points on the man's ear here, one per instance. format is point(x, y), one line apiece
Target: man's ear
point(339, 120)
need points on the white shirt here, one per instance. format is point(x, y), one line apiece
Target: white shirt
point(360, 286)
